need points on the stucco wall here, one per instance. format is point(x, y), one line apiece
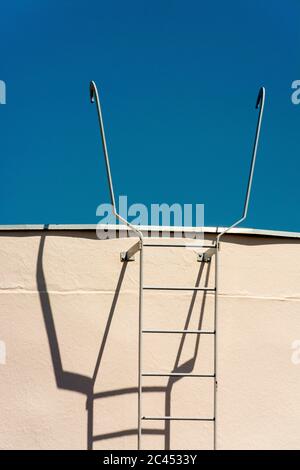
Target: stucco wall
point(69, 323)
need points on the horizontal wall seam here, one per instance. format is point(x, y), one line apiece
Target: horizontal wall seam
point(12, 290)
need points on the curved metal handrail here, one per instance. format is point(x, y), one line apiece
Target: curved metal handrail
point(260, 103)
point(94, 96)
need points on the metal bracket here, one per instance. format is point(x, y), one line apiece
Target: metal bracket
point(124, 257)
point(129, 255)
point(203, 258)
point(206, 256)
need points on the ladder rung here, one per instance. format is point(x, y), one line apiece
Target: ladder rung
point(159, 245)
point(176, 418)
point(190, 332)
point(176, 374)
point(205, 289)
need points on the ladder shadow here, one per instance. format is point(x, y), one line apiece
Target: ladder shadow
point(187, 366)
point(133, 431)
point(77, 382)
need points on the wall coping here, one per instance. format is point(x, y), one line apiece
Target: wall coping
point(147, 228)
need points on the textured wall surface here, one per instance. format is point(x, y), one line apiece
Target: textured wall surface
point(69, 331)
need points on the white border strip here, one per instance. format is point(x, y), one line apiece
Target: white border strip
point(147, 228)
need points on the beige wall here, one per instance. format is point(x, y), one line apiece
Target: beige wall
point(69, 322)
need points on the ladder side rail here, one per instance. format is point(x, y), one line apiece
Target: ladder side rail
point(260, 103)
point(94, 97)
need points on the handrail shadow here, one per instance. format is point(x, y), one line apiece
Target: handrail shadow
point(77, 382)
point(83, 384)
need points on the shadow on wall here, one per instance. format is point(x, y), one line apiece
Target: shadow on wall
point(85, 385)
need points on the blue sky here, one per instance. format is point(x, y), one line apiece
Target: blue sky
point(178, 82)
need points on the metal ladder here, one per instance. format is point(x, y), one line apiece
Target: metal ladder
point(212, 250)
point(205, 257)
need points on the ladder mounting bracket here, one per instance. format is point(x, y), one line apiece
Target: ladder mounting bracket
point(124, 257)
point(206, 256)
point(203, 257)
point(129, 254)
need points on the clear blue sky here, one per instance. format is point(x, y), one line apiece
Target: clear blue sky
point(178, 82)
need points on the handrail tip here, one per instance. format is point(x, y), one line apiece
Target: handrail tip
point(92, 91)
point(261, 96)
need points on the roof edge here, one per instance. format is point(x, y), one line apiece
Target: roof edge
point(147, 228)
